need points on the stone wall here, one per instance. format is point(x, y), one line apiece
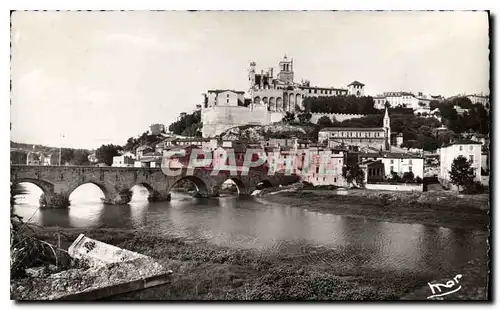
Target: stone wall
point(395, 187)
point(340, 117)
point(218, 119)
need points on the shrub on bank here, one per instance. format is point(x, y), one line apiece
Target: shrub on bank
point(474, 188)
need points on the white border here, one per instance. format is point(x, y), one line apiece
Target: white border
point(199, 5)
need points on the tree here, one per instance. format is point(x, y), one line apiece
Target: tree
point(304, 117)
point(461, 174)
point(105, 153)
point(325, 121)
point(80, 157)
point(408, 177)
point(289, 117)
point(66, 156)
point(353, 173)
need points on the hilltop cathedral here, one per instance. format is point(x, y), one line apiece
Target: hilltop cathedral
point(283, 94)
point(270, 99)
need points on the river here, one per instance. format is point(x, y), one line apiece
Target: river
point(252, 223)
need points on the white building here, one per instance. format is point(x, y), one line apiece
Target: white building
point(469, 149)
point(398, 162)
point(482, 99)
point(224, 97)
point(403, 100)
point(125, 160)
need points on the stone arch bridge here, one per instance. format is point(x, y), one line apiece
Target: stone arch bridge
point(116, 182)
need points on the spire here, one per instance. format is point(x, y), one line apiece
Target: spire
point(386, 113)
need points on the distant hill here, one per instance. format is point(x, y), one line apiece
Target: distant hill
point(30, 147)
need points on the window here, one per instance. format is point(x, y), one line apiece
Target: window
point(392, 168)
point(470, 148)
point(392, 161)
point(471, 158)
point(460, 148)
point(410, 168)
point(409, 162)
point(317, 169)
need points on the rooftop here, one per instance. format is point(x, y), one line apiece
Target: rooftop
point(356, 83)
point(351, 129)
point(462, 142)
point(389, 155)
point(224, 90)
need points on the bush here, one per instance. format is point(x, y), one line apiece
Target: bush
point(408, 177)
point(419, 180)
point(474, 188)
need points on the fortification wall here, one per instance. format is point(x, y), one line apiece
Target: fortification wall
point(218, 119)
point(340, 117)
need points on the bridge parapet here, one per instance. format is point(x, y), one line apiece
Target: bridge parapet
point(116, 182)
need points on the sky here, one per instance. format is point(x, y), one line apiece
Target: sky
point(102, 77)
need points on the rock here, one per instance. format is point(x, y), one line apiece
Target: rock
point(35, 272)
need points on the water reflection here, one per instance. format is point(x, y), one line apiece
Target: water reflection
point(246, 223)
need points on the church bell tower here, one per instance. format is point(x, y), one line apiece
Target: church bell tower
point(387, 129)
point(286, 70)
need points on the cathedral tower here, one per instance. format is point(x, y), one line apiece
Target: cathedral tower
point(286, 70)
point(251, 75)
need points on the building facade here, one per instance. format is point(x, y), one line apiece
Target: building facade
point(378, 137)
point(469, 149)
point(403, 100)
point(156, 129)
point(479, 98)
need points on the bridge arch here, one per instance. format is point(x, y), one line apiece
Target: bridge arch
point(201, 185)
point(45, 186)
point(237, 181)
point(102, 187)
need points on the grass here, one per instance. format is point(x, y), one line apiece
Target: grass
point(435, 209)
point(203, 271)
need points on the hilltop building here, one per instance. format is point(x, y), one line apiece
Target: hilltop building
point(404, 100)
point(283, 94)
point(269, 98)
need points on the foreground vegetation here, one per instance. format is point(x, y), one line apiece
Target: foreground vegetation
point(208, 272)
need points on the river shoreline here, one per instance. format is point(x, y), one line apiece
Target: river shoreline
point(444, 209)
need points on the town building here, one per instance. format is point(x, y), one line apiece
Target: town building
point(378, 137)
point(479, 98)
point(469, 149)
point(224, 97)
point(398, 163)
point(402, 100)
point(141, 150)
point(125, 160)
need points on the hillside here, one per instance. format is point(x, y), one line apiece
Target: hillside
point(256, 133)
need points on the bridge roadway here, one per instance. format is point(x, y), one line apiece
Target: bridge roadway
point(58, 182)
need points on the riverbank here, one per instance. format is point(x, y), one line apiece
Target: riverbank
point(203, 271)
point(446, 209)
